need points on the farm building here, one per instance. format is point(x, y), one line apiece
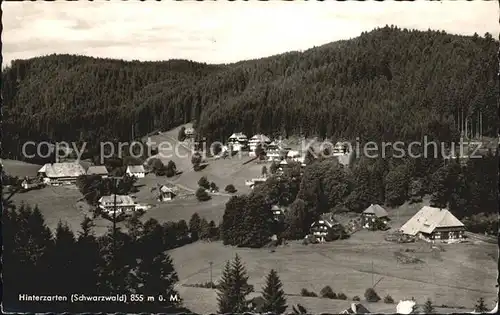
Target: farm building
point(124, 203)
point(61, 173)
point(273, 151)
point(356, 308)
point(165, 193)
point(326, 228)
point(255, 181)
point(434, 224)
point(294, 155)
point(374, 214)
point(98, 170)
point(238, 141)
point(136, 170)
point(258, 139)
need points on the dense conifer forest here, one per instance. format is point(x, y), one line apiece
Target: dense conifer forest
point(389, 84)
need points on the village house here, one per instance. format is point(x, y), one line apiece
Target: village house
point(136, 170)
point(256, 140)
point(61, 173)
point(165, 193)
point(295, 156)
point(124, 204)
point(326, 228)
point(255, 181)
point(374, 214)
point(356, 308)
point(434, 224)
point(238, 142)
point(100, 170)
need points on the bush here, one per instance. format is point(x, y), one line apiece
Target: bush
point(356, 298)
point(230, 189)
point(305, 292)
point(341, 296)
point(371, 295)
point(388, 299)
point(204, 183)
point(327, 292)
point(202, 195)
point(214, 187)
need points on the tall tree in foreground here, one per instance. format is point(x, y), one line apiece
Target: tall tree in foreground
point(274, 297)
point(233, 288)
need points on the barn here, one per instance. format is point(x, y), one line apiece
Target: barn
point(434, 224)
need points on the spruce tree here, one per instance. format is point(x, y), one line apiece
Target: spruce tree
point(195, 226)
point(428, 307)
point(240, 287)
point(274, 297)
point(63, 259)
point(225, 294)
point(88, 258)
point(204, 229)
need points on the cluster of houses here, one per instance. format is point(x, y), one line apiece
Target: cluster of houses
point(429, 224)
point(56, 174)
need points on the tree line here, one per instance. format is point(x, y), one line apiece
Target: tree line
point(37, 261)
point(469, 191)
point(390, 84)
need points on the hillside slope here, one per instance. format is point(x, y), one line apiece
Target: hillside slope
point(385, 84)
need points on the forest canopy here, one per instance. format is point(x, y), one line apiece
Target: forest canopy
point(386, 84)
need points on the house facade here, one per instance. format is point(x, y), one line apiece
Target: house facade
point(124, 204)
point(326, 228)
point(61, 173)
point(136, 170)
point(189, 132)
point(258, 139)
point(165, 194)
point(273, 152)
point(434, 225)
point(278, 212)
point(374, 214)
point(238, 142)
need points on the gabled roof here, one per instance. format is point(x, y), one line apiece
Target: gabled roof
point(66, 169)
point(327, 219)
point(356, 308)
point(121, 200)
point(97, 170)
point(165, 189)
point(260, 138)
point(237, 135)
point(428, 219)
point(376, 210)
point(135, 169)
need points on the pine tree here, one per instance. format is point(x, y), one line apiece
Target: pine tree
point(88, 258)
point(428, 307)
point(63, 259)
point(155, 273)
point(240, 287)
point(225, 294)
point(274, 297)
point(195, 226)
point(205, 231)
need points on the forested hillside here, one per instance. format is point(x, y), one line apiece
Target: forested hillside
point(385, 84)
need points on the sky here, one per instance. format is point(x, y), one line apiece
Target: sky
point(219, 32)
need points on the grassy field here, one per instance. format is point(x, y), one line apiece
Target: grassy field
point(19, 168)
point(457, 278)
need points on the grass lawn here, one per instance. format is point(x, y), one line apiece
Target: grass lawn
point(19, 168)
point(183, 209)
point(462, 274)
point(60, 203)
